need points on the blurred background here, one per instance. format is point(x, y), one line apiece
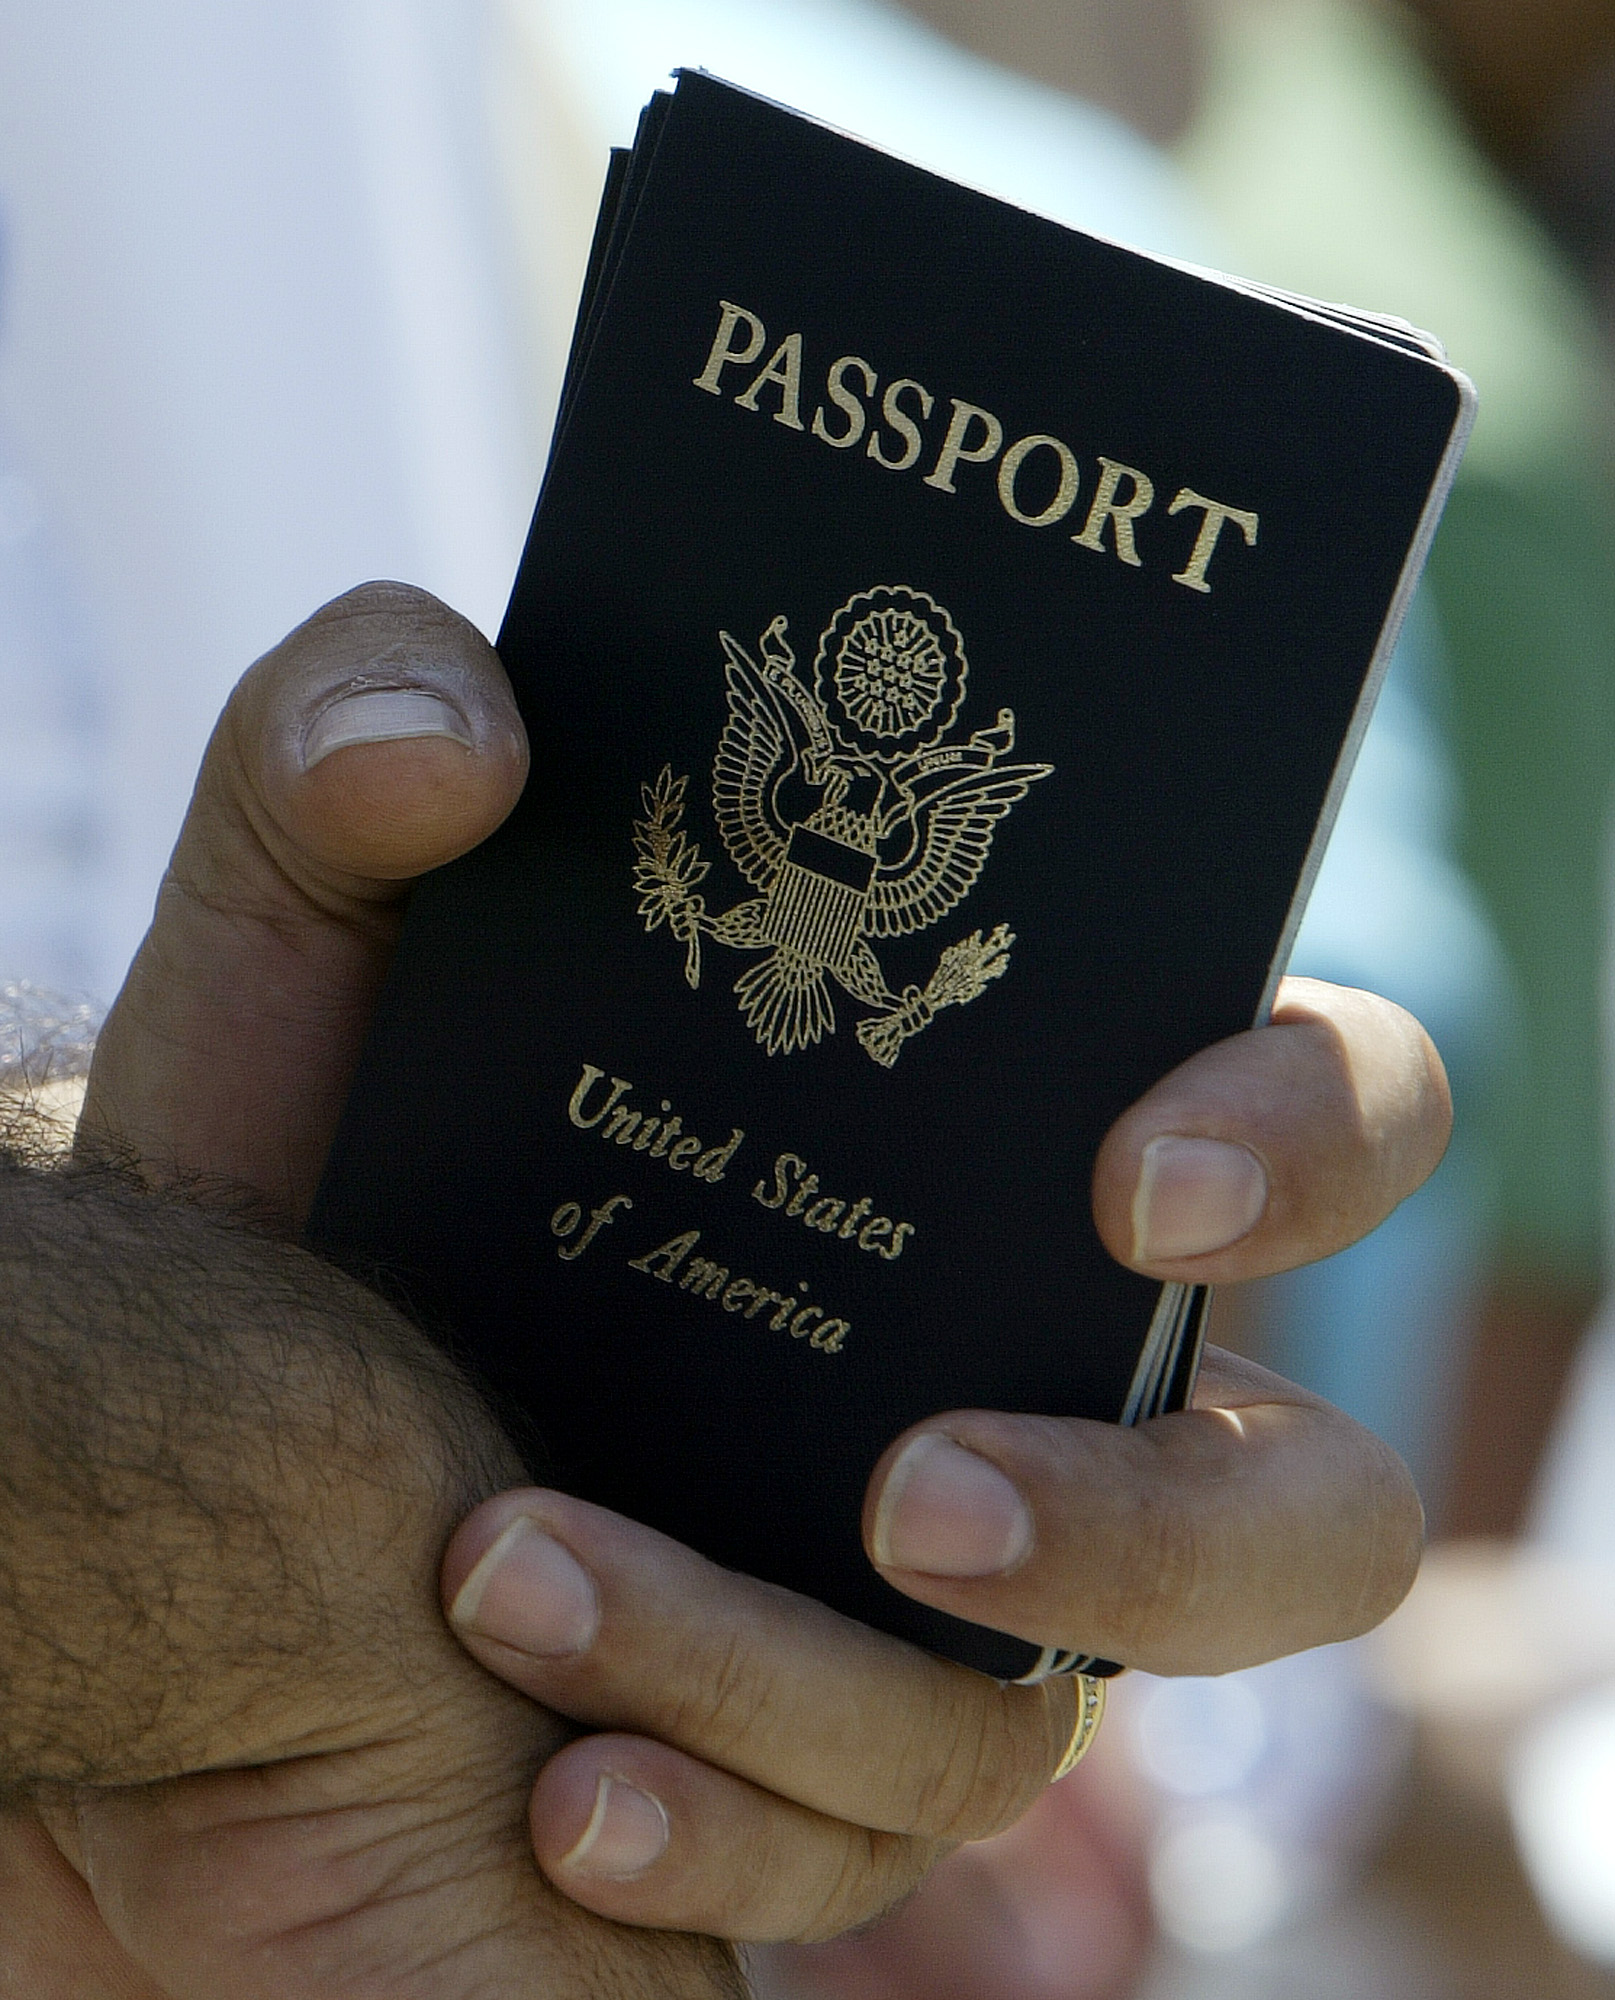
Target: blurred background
point(285, 293)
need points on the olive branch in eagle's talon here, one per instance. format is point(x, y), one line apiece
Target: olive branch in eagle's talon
point(962, 975)
point(669, 868)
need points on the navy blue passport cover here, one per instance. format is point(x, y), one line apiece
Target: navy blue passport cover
point(943, 637)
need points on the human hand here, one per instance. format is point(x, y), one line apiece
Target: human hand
point(377, 741)
point(241, 1757)
point(363, 1827)
point(808, 1770)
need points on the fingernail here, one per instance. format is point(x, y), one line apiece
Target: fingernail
point(945, 1511)
point(381, 715)
point(530, 1593)
point(627, 1832)
point(1195, 1196)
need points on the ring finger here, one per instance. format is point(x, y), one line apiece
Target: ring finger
point(643, 1834)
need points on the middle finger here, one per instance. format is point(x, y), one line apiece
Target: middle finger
point(620, 1628)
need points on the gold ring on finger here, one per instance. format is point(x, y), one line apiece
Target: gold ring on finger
point(1090, 1713)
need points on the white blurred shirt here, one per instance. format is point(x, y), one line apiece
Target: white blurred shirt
point(53, 824)
point(256, 347)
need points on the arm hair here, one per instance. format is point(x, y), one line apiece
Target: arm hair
point(221, 1462)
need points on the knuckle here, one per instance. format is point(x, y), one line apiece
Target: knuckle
point(875, 1872)
point(994, 1764)
point(1144, 1602)
point(767, 1886)
point(1394, 1544)
point(1429, 1121)
point(1395, 1106)
point(718, 1694)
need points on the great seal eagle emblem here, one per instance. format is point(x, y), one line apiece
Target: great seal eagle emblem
point(845, 806)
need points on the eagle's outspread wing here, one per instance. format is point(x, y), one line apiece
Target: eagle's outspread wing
point(760, 745)
point(954, 836)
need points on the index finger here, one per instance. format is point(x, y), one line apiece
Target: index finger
point(1258, 1522)
point(1278, 1146)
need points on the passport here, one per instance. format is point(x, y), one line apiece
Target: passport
point(943, 637)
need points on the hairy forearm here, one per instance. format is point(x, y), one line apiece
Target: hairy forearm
point(225, 1476)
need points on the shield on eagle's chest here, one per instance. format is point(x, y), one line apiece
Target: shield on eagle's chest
point(817, 900)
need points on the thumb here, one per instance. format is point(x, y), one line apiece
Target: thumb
point(377, 1875)
point(378, 741)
